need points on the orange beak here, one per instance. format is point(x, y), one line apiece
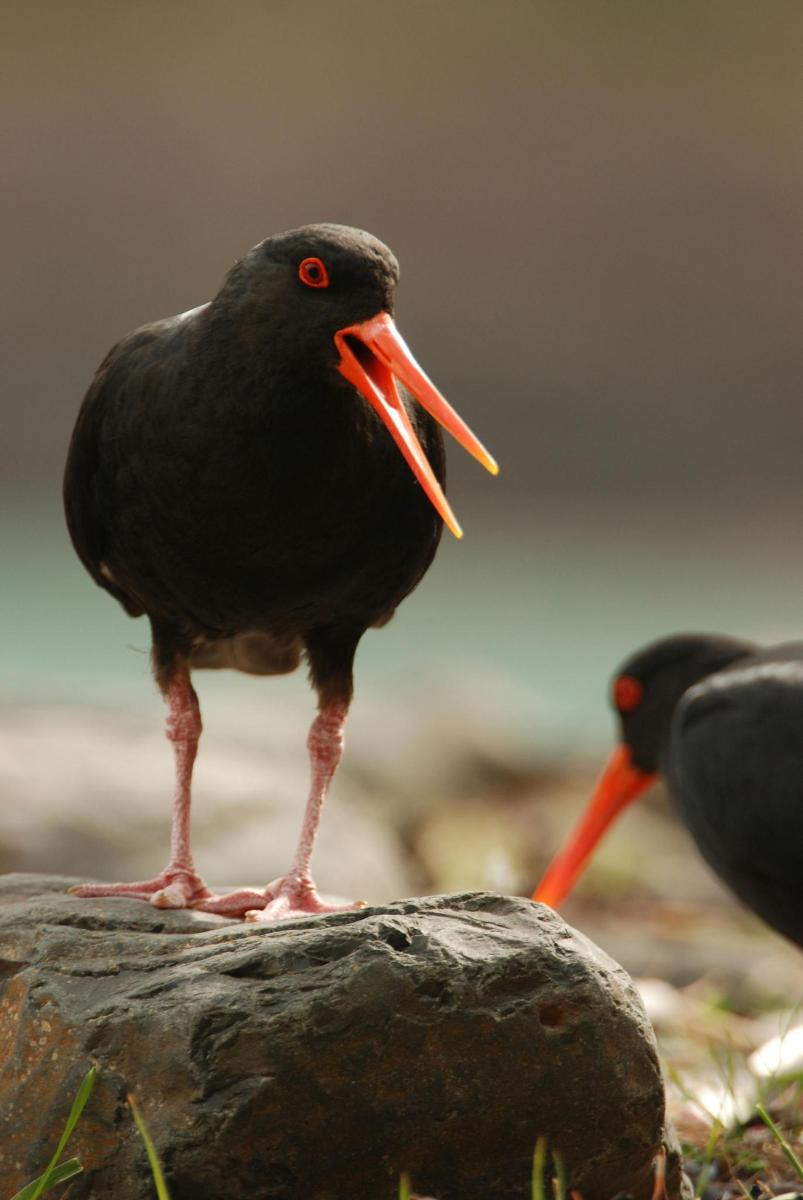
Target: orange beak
point(617, 787)
point(373, 355)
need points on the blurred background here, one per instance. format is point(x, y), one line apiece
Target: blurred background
point(598, 210)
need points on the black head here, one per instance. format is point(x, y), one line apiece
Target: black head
point(645, 692)
point(311, 310)
point(289, 295)
point(647, 687)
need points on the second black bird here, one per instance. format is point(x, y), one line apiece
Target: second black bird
point(722, 721)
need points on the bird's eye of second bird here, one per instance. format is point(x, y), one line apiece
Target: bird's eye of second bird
point(627, 693)
point(313, 273)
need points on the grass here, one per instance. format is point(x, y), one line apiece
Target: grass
point(731, 1157)
point(53, 1174)
point(724, 1160)
point(57, 1172)
point(787, 1150)
point(51, 1177)
point(150, 1150)
point(557, 1177)
point(539, 1166)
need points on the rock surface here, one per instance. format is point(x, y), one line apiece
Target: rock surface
point(318, 1059)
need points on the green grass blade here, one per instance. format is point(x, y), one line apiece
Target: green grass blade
point(59, 1174)
point(560, 1182)
point(78, 1106)
point(677, 1079)
point(404, 1186)
point(789, 1153)
point(150, 1150)
point(539, 1163)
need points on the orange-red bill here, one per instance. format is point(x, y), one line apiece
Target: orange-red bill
point(374, 375)
point(619, 784)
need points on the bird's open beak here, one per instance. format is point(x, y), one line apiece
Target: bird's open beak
point(618, 785)
point(373, 355)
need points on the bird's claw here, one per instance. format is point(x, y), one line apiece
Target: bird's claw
point(292, 897)
point(171, 889)
point(283, 898)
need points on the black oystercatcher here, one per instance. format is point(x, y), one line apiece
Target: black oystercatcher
point(250, 477)
point(722, 722)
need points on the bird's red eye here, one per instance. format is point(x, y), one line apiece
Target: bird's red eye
point(627, 693)
point(312, 272)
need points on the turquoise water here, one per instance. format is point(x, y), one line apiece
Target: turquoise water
point(546, 608)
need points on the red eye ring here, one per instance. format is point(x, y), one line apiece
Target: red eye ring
point(627, 693)
point(312, 272)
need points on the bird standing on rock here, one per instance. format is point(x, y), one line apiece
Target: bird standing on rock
point(722, 721)
point(249, 475)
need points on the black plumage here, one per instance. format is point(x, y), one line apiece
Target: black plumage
point(721, 721)
point(227, 479)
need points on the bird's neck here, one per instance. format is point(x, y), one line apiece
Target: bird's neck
point(715, 656)
point(246, 345)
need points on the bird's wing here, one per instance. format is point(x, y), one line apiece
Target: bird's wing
point(736, 772)
point(84, 503)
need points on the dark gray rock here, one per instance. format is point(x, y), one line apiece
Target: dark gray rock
point(318, 1059)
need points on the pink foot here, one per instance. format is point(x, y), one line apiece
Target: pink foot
point(171, 889)
point(293, 897)
point(233, 904)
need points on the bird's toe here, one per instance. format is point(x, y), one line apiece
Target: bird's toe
point(233, 904)
point(130, 891)
point(174, 888)
point(293, 898)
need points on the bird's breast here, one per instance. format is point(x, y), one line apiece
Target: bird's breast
point(253, 503)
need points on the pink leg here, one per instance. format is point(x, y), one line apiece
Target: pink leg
point(179, 885)
point(294, 894)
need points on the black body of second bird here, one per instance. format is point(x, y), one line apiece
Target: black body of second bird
point(722, 721)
